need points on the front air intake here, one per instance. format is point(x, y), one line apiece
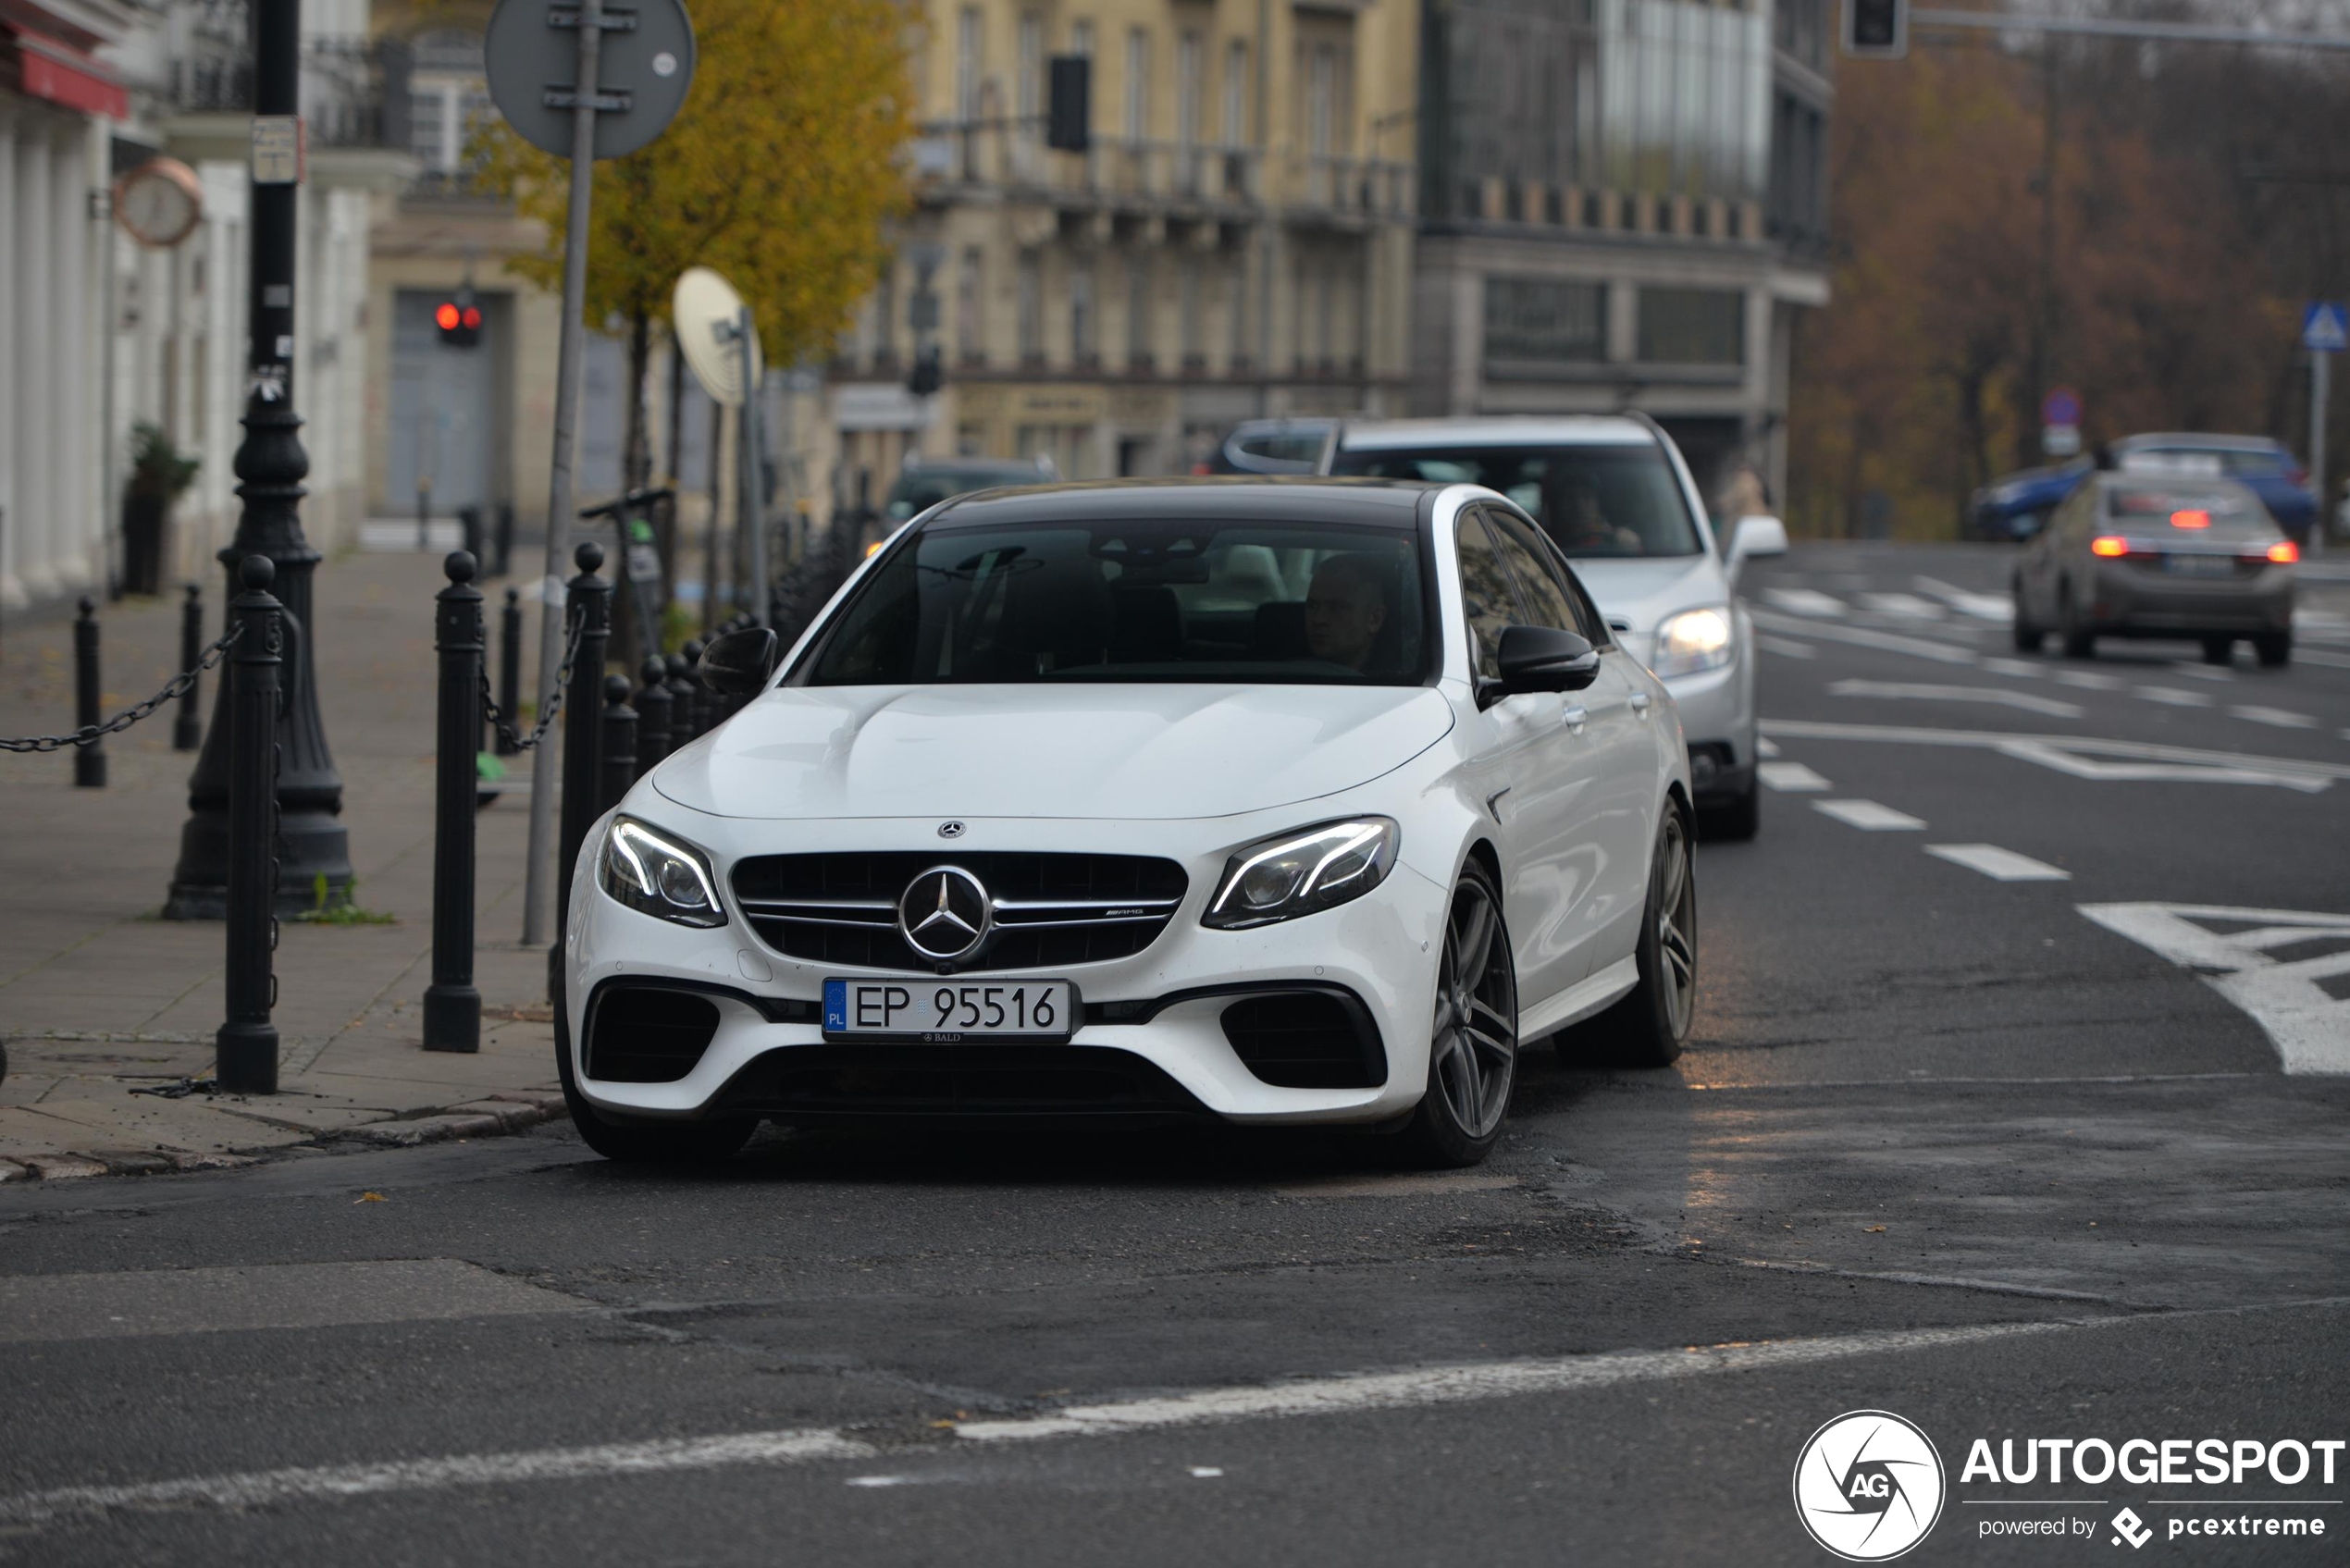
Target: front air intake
point(647, 1034)
point(1307, 1039)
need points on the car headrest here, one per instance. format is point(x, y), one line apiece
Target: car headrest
point(1149, 625)
point(1279, 631)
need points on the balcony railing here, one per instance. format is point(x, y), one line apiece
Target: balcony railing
point(354, 91)
point(1116, 170)
point(1351, 187)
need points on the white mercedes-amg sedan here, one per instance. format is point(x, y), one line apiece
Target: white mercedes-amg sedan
point(1281, 801)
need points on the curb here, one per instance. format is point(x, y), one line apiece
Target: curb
point(495, 1116)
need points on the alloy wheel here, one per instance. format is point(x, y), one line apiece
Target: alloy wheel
point(1474, 1045)
point(1677, 924)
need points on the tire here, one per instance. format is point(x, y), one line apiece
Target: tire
point(2218, 651)
point(618, 1138)
point(1736, 820)
point(2080, 642)
point(2029, 637)
point(1470, 1069)
point(2274, 648)
point(1648, 1026)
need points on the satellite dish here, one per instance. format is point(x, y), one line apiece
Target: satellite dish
point(708, 313)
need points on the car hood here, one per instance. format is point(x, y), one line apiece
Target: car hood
point(1643, 592)
point(1122, 751)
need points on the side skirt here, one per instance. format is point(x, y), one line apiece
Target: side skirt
point(1580, 1000)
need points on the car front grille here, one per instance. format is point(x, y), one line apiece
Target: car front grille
point(1050, 912)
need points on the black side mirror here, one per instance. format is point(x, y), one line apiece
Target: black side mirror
point(1545, 658)
point(738, 663)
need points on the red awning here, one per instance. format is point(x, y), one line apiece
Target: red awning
point(42, 55)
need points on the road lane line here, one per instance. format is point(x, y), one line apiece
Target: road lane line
point(2072, 753)
point(1995, 608)
point(1763, 748)
point(2028, 701)
point(1806, 601)
point(1486, 1380)
point(1910, 607)
point(2278, 718)
point(2000, 865)
point(1793, 778)
point(2176, 696)
point(2088, 680)
point(2202, 672)
point(1786, 650)
point(1861, 637)
point(2331, 661)
point(1868, 816)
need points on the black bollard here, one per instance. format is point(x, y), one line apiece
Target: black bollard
point(89, 762)
point(246, 1051)
point(424, 517)
point(510, 672)
point(654, 717)
point(505, 538)
point(187, 727)
point(685, 696)
point(589, 597)
point(453, 1007)
point(469, 532)
point(619, 768)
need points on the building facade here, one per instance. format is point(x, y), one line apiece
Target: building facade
point(1235, 241)
point(1622, 206)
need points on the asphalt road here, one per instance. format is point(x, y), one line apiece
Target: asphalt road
point(1989, 1123)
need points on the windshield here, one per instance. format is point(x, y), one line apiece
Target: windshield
point(1593, 500)
point(1288, 603)
point(915, 492)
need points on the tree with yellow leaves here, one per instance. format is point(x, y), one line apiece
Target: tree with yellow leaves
point(779, 172)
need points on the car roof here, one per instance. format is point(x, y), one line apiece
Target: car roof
point(1497, 430)
point(1384, 504)
point(2204, 442)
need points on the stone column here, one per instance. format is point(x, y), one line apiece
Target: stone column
point(74, 539)
point(12, 594)
point(32, 520)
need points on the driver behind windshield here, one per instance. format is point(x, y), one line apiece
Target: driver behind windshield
point(1571, 507)
point(1346, 610)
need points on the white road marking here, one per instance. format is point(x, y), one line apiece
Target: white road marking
point(262, 1488)
point(2000, 865)
point(1786, 650)
point(2324, 571)
point(2322, 625)
point(2023, 699)
point(1487, 1380)
point(1340, 1395)
point(2176, 696)
point(2088, 680)
point(1765, 747)
point(1862, 637)
point(1909, 606)
point(2204, 672)
point(2331, 661)
point(2308, 1024)
point(1999, 665)
point(2280, 718)
point(1868, 816)
point(2073, 754)
point(1792, 778)
point(1997, 608)
point(1805, 601)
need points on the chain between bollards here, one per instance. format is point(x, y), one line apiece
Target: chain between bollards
point(453, 1004)
point(246, 1051)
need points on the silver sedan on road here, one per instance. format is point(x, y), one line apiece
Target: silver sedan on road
point(2129, 555)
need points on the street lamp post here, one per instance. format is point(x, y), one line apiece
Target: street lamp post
point(271, 466)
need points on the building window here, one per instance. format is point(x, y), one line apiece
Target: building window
point(1692, 326)
point(970, 63)
point(1188, 323)
point(1138, 85)
point(448, 100)
point(1081, 346)
point(1188, 87)
point(971, 327)
point(1138, 312)
point(1080, 38)
point(1236, 93)
point(1032, 308)
point(1030, 90)
point(884, 330)
point(1535, 318)
point(1237, 355)
point(1321, 100)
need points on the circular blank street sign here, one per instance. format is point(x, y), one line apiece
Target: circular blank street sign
point(703, 308)
point(527, 55)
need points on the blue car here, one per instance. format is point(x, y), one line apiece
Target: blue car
point(2014, 506)
point(2265, 467)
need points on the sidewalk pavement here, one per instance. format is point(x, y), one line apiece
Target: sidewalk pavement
point(99, 997)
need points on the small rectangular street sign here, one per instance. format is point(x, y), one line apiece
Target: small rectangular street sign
point(2324, 327)
point(276, 149)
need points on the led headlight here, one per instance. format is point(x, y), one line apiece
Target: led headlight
point(658, 876)
point(1691, 641)
point(1299, 873)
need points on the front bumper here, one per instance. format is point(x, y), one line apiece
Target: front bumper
point(1717, 718)
point(1152, 1040)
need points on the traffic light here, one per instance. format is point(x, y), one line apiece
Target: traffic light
point(1876, 30)
point(1068, 112)
point(927, 375)
point(459, 320)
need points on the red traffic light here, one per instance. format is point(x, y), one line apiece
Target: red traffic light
point(472, 318)
point(447, 317)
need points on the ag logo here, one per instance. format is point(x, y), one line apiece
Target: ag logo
point(1868, 1485)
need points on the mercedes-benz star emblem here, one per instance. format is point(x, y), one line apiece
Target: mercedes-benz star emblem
point(951, 830)
point(944, 913)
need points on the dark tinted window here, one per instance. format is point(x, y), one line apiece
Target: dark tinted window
point(1135, 600)
point(1545, 599)
point(1591, 500)
point(1489, 602)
